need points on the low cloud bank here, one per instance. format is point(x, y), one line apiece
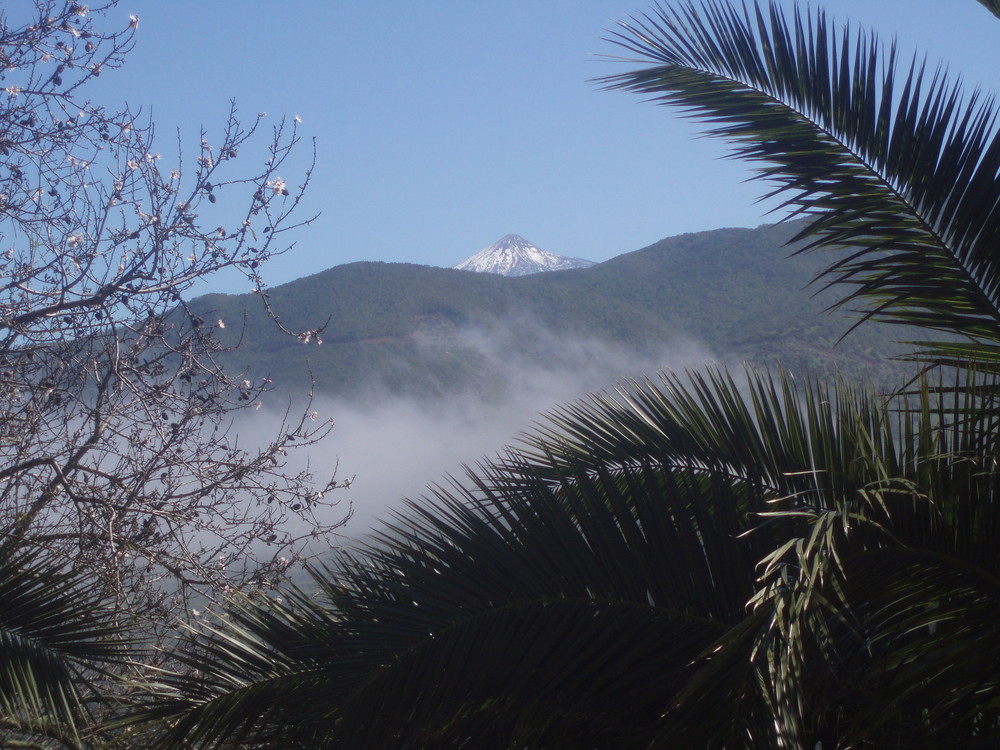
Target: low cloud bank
point(396, 447)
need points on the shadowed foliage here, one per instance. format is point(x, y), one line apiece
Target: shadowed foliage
point(592, 590)
point(59, 645)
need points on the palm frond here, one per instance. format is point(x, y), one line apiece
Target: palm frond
point(992, 5)
point(793, 438)
point(56, 638)
point(594, 585)
point(699, 561)
point(495, 614)
point(886, 555)
point(887, 158)
point(890, 613)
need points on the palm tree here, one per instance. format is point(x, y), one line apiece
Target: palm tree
point(699, 561)
point(592, 590)
point(59, 649)
point(550, 598)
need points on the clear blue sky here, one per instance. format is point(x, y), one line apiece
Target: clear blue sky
point(442, 125)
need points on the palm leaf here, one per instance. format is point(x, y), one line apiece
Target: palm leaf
point(803, 440)
point(887, 158)
point(593, 585)
point(504, 613)
point(890, 620)
point(992, 5)
point(56, 640)
point(892, 514)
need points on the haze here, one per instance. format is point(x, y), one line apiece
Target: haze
point(395, 447)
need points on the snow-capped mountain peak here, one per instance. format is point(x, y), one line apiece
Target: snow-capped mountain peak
point(512, 255)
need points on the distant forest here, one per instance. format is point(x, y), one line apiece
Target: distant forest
point(740, 294)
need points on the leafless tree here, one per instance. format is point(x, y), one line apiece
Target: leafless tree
point(117, 448)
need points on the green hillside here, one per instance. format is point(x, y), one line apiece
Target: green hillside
point(406, 327)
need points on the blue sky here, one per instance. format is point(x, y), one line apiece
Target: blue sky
point(442, 125)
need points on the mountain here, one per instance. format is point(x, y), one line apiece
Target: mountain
point(731, 295)
point(513, 255)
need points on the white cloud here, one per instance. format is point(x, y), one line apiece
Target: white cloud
point(395, 447)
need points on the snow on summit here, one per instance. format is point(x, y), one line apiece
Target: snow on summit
point(513, 255)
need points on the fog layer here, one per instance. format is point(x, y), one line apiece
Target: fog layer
point(393, 447)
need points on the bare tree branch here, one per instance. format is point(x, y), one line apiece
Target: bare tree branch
point(118, 454)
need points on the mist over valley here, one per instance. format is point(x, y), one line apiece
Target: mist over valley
point(426, 369)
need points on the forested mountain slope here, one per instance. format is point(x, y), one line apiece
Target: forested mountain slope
point(421, 330)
